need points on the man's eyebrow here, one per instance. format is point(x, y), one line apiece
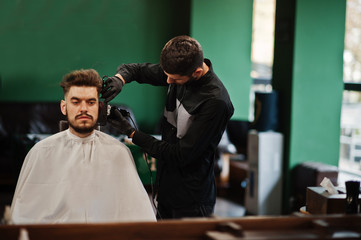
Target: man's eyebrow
point(76, 98)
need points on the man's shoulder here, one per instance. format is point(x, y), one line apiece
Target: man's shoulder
point(47, 143)
point(50, 140)
point(108, 139)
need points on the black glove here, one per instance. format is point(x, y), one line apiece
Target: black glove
point(112, 86)
point(116, 119)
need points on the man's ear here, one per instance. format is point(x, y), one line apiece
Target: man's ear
point(197, 72)
point(63, 107)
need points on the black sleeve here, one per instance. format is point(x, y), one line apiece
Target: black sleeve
point(201, 138)
point(143, 73)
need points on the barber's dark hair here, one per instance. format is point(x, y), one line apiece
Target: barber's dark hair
point(82, 77)
point(181, 55)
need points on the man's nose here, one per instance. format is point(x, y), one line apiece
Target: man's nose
point(83, 107)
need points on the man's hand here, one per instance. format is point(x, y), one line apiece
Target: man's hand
point(112, 86)
point(121, 123)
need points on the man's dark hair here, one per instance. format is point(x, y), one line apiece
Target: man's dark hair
point(181, 55)
point(82, 77)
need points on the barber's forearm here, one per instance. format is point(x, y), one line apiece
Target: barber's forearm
point(148, 143)
point(121, 77)
point(143, 73)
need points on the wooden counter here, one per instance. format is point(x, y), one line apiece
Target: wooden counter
point(283, 227)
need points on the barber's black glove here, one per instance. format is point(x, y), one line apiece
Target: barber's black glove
point(112, 86)
point(116, 119)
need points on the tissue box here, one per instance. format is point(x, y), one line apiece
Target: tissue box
point(319, 201)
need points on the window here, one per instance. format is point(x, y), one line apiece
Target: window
point(262, 62)
point(262, 43)
point(262, 48)
point(350, 135)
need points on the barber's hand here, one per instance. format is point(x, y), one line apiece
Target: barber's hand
point(121, 123)
point(112, 86)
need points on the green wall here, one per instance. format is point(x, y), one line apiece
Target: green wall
point(224, 29)
point(308, 66)
point(41, 40)
point(317, 81)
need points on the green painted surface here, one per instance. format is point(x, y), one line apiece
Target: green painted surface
point(308, 74)
point(43, 40)
point(224, 29)
point(317, 81)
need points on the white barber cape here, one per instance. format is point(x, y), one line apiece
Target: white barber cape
point(67, 179)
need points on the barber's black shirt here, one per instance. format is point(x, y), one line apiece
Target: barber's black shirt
point(195, 117)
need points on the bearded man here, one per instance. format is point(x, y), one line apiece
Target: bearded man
point(80, 175)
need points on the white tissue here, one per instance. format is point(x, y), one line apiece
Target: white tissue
point(326, 183)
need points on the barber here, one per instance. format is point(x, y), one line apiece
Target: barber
point(197, 111)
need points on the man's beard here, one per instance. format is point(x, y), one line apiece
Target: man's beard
point(83, 129)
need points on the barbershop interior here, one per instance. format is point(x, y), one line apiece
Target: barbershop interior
point(290, 152)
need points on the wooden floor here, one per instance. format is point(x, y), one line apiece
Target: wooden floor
point(224, 208)
point(227, 208)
